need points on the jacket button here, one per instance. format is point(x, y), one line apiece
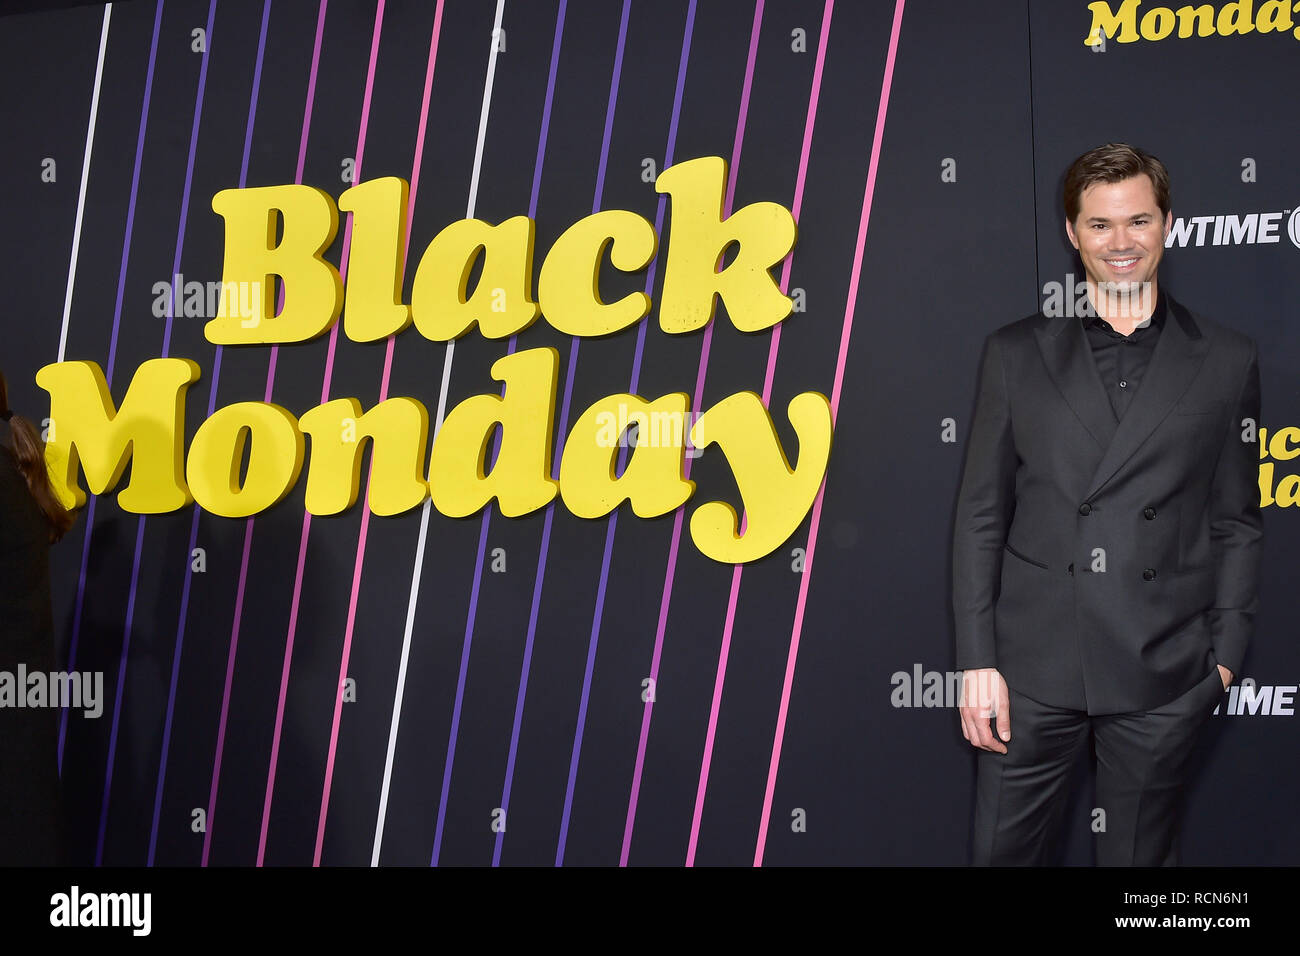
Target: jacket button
point(1085, 508)
point(1148, 513)
point(1070, 569)
point(1148, 574)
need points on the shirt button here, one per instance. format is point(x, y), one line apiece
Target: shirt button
point(1123, 384)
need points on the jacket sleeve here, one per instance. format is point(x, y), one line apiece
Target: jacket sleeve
point(1237, 528)
point(985, 504)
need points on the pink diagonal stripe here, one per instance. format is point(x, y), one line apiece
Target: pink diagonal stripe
point(248, 526)
point(800, 180)
point(724, 652)
point(306, 515)
point(671, 570)
point(847, 331)
point(365, 512)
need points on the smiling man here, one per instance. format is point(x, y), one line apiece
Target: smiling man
point(1107, 538)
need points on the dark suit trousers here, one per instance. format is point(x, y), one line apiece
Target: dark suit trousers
point(1142, 766)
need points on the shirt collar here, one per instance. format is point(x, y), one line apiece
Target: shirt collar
point(1157, 317)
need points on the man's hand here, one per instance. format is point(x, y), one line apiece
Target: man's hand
point(984, 695)
point(1226, 675)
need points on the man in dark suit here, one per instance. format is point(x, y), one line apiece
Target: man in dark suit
point(1107, 538)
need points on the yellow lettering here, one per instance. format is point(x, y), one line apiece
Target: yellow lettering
point(374, 305)
point(1277, 443)
point(313, 290)
point(1157, 23)
point(502, 302)
point(1274, 16)
point(398, 430)
point(520, 478)
point(148, 430)
point(569, 284)
point(764, 233)
point(217, 452)
point(776, 497)
point(653, 479)
point(1235, 18)
point(1202, 17)
point(1288, 491)
point(1121, 26)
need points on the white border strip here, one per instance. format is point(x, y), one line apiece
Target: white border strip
point(437, 426)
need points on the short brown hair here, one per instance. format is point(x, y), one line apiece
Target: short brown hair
point(1113, 163)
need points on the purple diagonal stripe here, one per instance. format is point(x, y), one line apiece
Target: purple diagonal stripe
point(194, 523)
point(559, 441)
point(117, 319)
point(233, 648)
point(139, 539)
point(487, 512)
point(598, 614)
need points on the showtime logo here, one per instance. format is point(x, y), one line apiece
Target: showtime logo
point(1256, 228)
point(922, 688)
point(1248, 700)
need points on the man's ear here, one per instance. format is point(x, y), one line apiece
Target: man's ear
point(1069, 232)
point(1169, 223)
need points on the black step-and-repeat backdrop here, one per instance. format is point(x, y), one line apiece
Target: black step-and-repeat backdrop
point(523, 683)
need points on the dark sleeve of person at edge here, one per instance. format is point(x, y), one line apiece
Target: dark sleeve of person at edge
point(30, 800)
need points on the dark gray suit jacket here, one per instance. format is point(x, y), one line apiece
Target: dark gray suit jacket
point(1100, 565)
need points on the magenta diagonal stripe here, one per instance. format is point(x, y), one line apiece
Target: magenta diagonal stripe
point(535, 192)
point(612, 523)
point(395, 718)
point(306, 515)
point(233, 648)
point(194, 521)
point(720, 675)
point(845, 333)
point(696, 403)
point(383, 395)
point(540, 576)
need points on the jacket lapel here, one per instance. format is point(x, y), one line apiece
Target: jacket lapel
point(1178, 355)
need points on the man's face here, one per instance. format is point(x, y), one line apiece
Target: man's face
point(1120, 234)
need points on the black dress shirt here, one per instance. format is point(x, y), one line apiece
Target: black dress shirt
point(1122, 360)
